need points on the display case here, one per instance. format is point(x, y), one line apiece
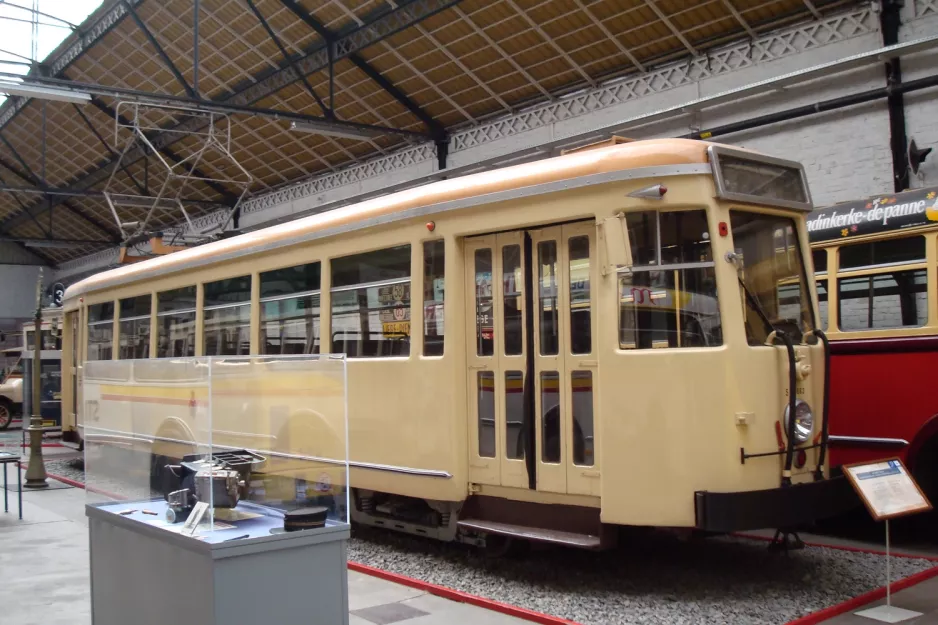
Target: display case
point(224, 460)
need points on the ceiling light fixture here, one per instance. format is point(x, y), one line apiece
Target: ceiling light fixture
point(44, 93)
point(332, 129)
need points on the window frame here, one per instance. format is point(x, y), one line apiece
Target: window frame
point(262, 300)
point(657, 266)
point(409, 280)
point(868, 273)
point(424, 244)
point(121, 320)
point(716, 151)
point(196, 320)
point(834, 273)
point(114, 320)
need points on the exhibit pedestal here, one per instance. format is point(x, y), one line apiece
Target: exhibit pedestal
point(147, 575)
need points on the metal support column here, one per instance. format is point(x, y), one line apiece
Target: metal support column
point(890, 20)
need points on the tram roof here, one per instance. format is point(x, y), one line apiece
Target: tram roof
point(652, 153)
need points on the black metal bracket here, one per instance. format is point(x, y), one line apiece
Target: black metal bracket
point(743, 456)
point(785, 540)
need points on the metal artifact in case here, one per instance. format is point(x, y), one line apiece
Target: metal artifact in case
point(220, 478)
point(218, 448)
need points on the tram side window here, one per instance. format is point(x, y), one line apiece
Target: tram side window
point(433, 293)
point(227, 317)
point(101, 331)
point(135, 327)
point(371, 303)
point(175, 312)
point(886, 299)
point(290, 310)
point(669, 299)
point(895, 299)
point(890, 251)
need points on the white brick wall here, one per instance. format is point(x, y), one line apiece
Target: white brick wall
point(921, 107)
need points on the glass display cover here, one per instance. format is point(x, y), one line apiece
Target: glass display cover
point(219, 448)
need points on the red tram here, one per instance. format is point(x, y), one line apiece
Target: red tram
point(876, 265)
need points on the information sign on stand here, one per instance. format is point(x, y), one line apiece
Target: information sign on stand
point(888, 491)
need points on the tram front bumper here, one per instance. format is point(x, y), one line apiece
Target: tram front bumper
point(784, 507)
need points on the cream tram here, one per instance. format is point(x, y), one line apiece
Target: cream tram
point(622, 335)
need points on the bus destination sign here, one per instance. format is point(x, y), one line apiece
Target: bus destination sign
point(880, 213)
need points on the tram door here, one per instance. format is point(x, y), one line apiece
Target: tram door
point(70, 351)
point(533, 420)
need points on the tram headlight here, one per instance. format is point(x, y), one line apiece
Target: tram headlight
point(804, 420)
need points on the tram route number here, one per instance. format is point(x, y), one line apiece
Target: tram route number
point(799, 390)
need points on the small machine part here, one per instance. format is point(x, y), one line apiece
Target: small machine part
point(220, 478)
point(126, 512)
point(150, 512)
point(221, 487)
point(180, 503)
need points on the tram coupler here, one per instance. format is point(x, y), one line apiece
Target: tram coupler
point(785, 540)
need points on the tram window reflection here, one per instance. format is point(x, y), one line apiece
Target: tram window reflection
point(433, 297)
point(135, 327)
point(290, 310)
point(101, 331)
point(175, 313)
point(371, 303)
point(888, 300)
point(669, 299)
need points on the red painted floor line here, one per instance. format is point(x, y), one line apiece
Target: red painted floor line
point(857, 602)
point(462, 597)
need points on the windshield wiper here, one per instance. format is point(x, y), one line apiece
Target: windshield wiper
point(756, 306)
point(792, 377)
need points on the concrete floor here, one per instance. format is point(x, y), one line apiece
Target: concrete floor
point(44, 573)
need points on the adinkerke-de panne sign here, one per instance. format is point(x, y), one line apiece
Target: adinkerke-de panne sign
point(876, 214)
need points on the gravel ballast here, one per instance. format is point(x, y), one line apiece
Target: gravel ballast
point(651, 579)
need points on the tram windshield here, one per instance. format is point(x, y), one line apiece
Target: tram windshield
point(771, 268)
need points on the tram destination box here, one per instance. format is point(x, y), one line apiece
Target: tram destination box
point(217, 489)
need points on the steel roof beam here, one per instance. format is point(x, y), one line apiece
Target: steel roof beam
point(27, 174)
point(86, 38)
point(388, 24)
point(628, 53)
point(664, 19)
point(208, 106)
point(160, 51)
point(326, 110)
point(51, 241)
point(739, 18)
point(435, 127)
point(120, 199)
point(40, 13)
point(813, 9)
point(107, 147)
point(23, 206)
